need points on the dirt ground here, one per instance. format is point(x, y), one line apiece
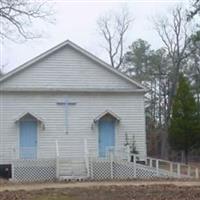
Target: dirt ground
point(142, 192)
point(133, 190)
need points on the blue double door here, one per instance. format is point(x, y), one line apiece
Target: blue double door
point(28, 139)
point(106, 136)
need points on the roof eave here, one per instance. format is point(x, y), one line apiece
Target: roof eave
point(105, 113)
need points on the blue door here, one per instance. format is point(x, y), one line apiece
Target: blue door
point(106, 136)
point(28, 139)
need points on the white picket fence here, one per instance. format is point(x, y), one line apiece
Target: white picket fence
point(174, 169)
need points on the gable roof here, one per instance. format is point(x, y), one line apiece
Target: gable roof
point(107, 112)
point(79, 49)
point(22, 115)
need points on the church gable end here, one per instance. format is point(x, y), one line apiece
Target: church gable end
point(67, 69)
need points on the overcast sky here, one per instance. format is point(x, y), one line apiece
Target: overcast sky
point(76, 21)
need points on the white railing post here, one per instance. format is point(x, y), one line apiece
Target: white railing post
point(134, 166)
point(157, 167)
point(189, 170)
point(178, 170)
point(150, 162)
point(128, 153)
point(171, 168)
point(91, 170)
point(111, 165)
point(86, 155)
point(197, 173)
point(57, 160)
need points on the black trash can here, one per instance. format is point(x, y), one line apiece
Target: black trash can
point(5, 171)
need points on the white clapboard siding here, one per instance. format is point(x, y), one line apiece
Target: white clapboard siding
point(66, 69)
point(128, 106)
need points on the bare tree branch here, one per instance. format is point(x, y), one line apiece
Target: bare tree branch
point(17, 16)
point(113, 29)
point(174, 33)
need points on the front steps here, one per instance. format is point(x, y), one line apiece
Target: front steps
point(71, 169)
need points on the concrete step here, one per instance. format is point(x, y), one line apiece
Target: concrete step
point(71, 161)
point(72, 168)
point(72, 178)
point(72, 171)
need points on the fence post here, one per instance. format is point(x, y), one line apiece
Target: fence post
point(150, 162)
point(91, 165)
point(111, 165)
point(189, 170)
point(178, 170)
point(197, 173)
point(157, 167)
point(57, 160)
point(171, 168)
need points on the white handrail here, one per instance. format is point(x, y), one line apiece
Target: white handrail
point(155, 163)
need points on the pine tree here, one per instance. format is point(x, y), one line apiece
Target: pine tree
point(184, 126)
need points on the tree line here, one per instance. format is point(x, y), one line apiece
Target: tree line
point(165, 72)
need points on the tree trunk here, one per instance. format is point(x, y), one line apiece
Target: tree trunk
point(182, 156)
point(172, 94)
point(164, 145)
